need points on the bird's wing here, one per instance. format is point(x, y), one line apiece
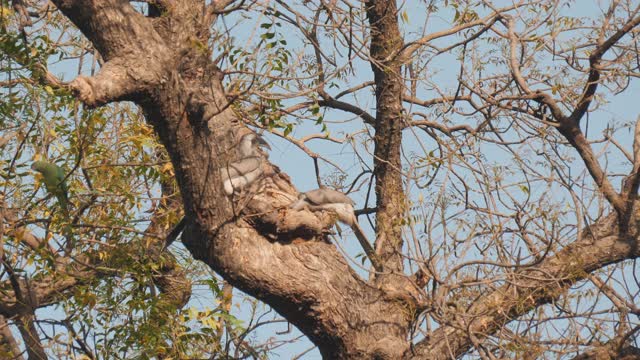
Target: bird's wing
point(241, 181)
point(50, 180)
point(241, 167)
point(327, 196)
point(61, 177)
point(366, 246)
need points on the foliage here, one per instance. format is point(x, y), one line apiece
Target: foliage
point(113, 307)
point(517, 145)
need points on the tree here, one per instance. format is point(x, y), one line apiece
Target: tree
point(505, 220)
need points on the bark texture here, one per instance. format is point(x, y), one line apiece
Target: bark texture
point(157, 65)
point(254, 241)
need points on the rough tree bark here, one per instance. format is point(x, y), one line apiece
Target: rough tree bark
point(254, 243)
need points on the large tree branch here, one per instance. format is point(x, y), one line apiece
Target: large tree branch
point(8, 346)
point(600, 245)
point(299, 273)
point(595, 60)
point(113, 26)
point(405, 53)
point(569, 126)
point(126, 46)
point(385, 41)
point(119, 79)
point(25, 315)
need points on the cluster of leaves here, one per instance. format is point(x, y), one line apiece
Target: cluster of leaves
point(114, 168)
point(258, 70)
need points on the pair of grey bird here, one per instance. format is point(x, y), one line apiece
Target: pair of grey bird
point(244, 172)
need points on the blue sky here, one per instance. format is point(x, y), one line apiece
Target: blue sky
point(445, 69)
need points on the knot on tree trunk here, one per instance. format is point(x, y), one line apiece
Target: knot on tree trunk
point(266, 207)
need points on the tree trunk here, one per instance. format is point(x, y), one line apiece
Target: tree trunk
point(254, 241)
point(154, 63)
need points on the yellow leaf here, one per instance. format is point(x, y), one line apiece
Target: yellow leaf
point(19, 234)
point(5, 11)
point(405, 16)
point(193, 313)
point(167, 169)
point(210, 322)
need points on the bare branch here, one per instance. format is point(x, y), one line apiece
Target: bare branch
point(599, 246)
point(404, 54)
point(220, 7)
point(632, 182)
point(328, 101)
point(594, 69)
point(569, 127)
point(8, 344)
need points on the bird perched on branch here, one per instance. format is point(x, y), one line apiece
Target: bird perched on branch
point(325, 199)
point(244, 172)
point(53, 177)
point(241, 174)
point(251, 145)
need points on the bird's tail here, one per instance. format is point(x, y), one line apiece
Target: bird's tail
point(366, 245)
point(63, 199)
point(298, 205)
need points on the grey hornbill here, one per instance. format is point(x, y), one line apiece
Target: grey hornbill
point(244, 172)
point(325, 199)
point(238, 174)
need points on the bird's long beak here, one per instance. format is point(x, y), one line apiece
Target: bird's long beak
point(262, 142)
